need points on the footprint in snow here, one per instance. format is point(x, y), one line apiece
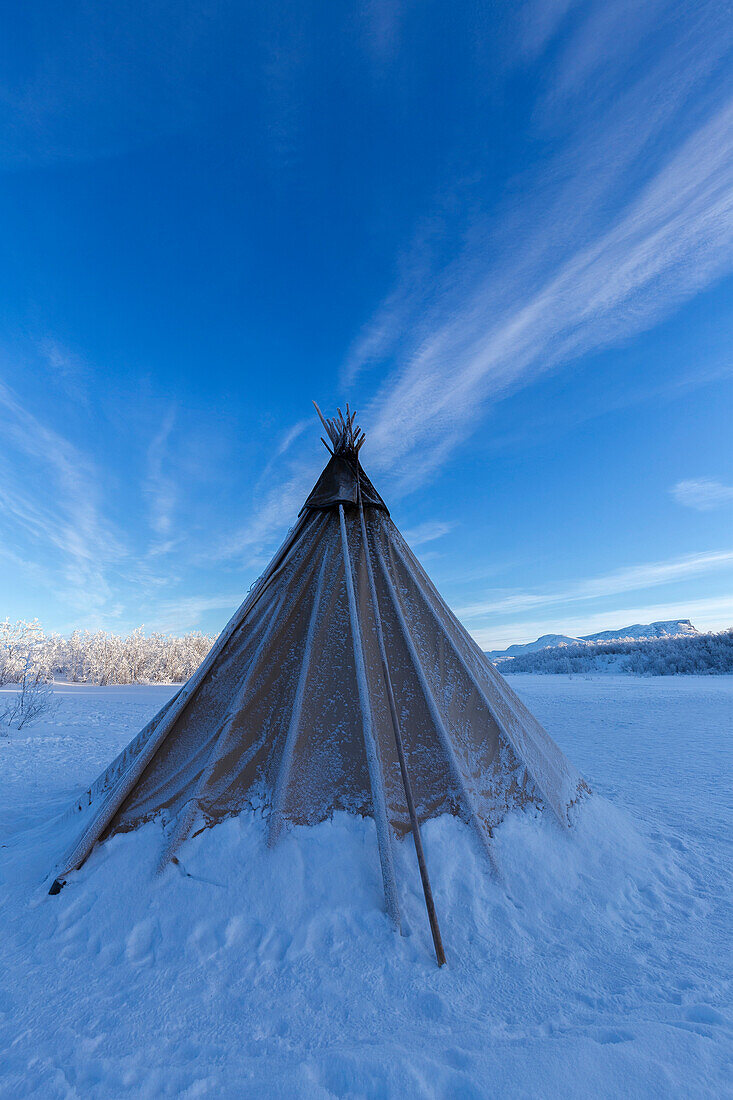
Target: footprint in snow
point(205, 941)
point(67, 924)
point(142, 943)
point(275, 945)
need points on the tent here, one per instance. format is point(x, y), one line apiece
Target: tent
point(343, 682)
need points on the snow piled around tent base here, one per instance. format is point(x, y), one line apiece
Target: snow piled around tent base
point(598, 969)
point(287, 958)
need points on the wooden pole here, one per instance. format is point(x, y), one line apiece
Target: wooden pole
point(440, 727)
point(376, 779)
point(429, 903)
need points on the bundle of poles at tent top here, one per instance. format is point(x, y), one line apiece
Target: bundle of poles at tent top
point(346, 439)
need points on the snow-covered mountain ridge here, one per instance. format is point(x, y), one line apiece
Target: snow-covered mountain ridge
point(670, 628)
point(693, 654)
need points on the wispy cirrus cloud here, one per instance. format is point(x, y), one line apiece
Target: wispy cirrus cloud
point(630, 217)
point(160, 486)
point(633, 578)
point(289, 437)
point(672, 240)
point(66, 368)
point(427, 532)
point(49, 493)
point(703, 494)
point(177, 616)
point(547, 280)
point(274, 513)
point(539, 23)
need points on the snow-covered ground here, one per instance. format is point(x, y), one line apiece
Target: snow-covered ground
point(600, 968)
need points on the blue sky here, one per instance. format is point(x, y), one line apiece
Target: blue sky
point(503, 232)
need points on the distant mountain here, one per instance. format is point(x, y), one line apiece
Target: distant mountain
point(547, 641)
point(670, 628)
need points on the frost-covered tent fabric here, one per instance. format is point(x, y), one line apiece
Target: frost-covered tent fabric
point(290, 714)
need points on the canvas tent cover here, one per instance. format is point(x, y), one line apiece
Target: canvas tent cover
point(289, 713)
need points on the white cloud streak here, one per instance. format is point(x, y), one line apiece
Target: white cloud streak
point(177, 616)
point(703, 494)
point(160, 486)
point(289, 437)
point(272, 515)
point(566, 270)
point(427, 532)
point(48, 492)
point(631, 579)
point(553, 287)
point(672, 241)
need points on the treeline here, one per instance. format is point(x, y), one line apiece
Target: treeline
point(697, 654)
point(97, 657)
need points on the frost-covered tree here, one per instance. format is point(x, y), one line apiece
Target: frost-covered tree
point(20, 643)
point(97, 656)
point(33, 699)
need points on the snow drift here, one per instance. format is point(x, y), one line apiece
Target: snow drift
point(601, 967)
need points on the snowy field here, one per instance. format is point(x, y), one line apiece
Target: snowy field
point(600, 967)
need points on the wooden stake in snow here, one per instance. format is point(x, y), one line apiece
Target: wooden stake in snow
point(427, 891)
